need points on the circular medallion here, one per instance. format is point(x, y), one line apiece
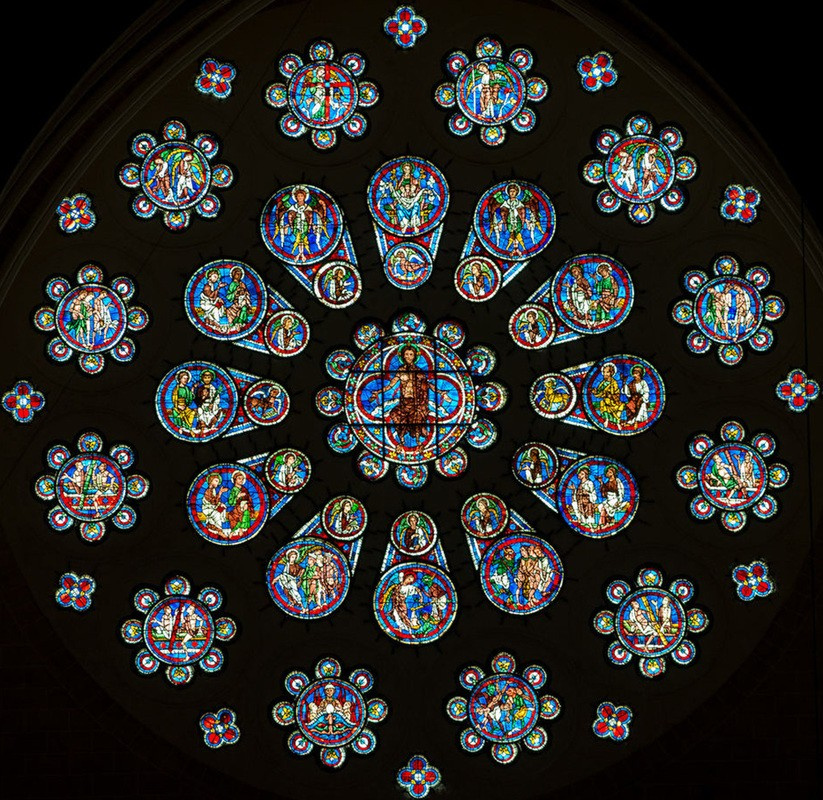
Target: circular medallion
point(535, 465)
point(287, 470)
point(490, 91)
point(196, 401)
point(733, 476)
point(477, 278)
point(623, 395)
point(225, 299)
point(286, 333)
point(553, 396)
point(330, 712)
point(592, 293)
point(514, 220)
point(322, 94)
point(413, 533)
point(90, 487)
point(521, 573)
point(639, 169)
point(266, 402)
point(531, 326)
point(337, 284)
point(91, 318)
point(344, 518)
point(484, 515)
point(409, 398)
point(408, 196)
point(415, 603)
point(301, 225)
point(453, 464)
point(178, 630)
point(228, 504)
point(408, 265)
point(650, 622)
point(597, 497)
point(308, 578)
point(503, 708)
point(175, 175)
point(728, 309)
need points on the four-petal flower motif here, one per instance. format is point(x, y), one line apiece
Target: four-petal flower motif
point(219, 728)
point(733, 476)
point(503, 731)
point(75, 214)
point(752, 580)
point(728, 310)
point(175, 175)
point(405, 26)
point(178, 630)
point(650, 622)
point(596, 72)
point(491, 91)
point(75, 591)
point(640, 169)
point(612, 722)
point(330, 712)
point(91, 319)
point(798, 390)
point(418, 776)
point(740, 203)
point(215, 78)
point(322, 95)
point(23, 401)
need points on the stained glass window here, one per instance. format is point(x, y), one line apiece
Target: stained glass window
point(331, 279)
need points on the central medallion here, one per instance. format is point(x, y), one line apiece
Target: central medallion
point(410, 398)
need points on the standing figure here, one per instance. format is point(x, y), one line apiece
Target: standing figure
point(185, 178)
point(213, 509)
point(410, 415)
point(584, 499)
point(605, 288)
point(211, 303)
point(513, 213)
point(80, 311)
point(611, 490)
point(626, 173)
point(160, 183)
point(608, 393)
point(637, 406)
point(291, 578)
point(182, 400)
point(502, 575)
point(207, 400)
point(650, 170)
point(580, 295)
point(242, 514)
point(240, 309)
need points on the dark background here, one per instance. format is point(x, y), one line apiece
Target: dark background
point(65, 737)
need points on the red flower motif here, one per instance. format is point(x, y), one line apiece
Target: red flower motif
point(798, 390)
point(75, 213)
point(219, 728)
point(405, 26)
point(612, 722)
point(418, 776)
point(22, 402)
